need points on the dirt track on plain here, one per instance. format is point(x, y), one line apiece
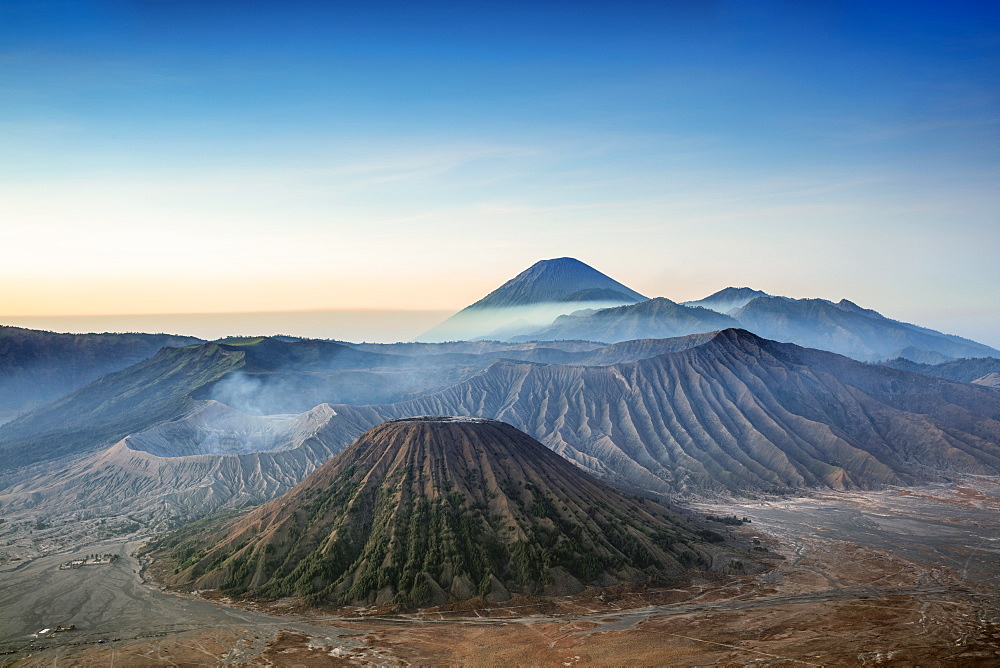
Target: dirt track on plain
point(900, 577)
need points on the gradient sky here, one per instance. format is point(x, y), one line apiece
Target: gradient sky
point(200, 157)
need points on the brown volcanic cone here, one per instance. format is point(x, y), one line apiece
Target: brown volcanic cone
point(425, 511)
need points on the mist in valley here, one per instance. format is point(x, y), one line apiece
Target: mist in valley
point(295, 391)
point(505, 323)
point(374, 324)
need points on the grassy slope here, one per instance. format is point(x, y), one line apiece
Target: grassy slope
point(37, 367)
point(422, 512)
point(116, 405)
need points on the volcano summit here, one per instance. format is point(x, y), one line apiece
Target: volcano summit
point(532, 300)
point(431, 510)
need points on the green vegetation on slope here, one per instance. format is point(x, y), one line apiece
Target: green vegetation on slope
point(38, 367)
point(116, 405)
point(423, 512)
point(167, 386)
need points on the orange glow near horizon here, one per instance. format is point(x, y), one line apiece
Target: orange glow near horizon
point(383, 326)
point(409, 165)
point(91, 296)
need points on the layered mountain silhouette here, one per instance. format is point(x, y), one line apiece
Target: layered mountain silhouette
point(657, 318)
point(38, 367)
point(116, 405)
point(728, 299)
point(721, 412)
point(846, 328)
point(210, 456)
point(564, 299)
point(533, 298)
point(981, 371)
point(842, 327)
point(258, 376)
point(739, 413)
point(431, 510)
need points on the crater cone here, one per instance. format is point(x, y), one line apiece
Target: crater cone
point(432, 510)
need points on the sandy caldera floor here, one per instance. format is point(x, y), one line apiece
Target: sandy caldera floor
point(900, 577)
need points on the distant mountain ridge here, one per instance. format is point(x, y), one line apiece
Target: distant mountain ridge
point(842, 327)
point(169, 385)
point(38, 367)
point(261, 376)
point(980, 371)
point(722, 412)
point(739, 413)
point(848, 329)
point(728, 299)
point(560, 300)
point(657, 318)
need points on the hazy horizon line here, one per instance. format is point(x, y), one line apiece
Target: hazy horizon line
point(241, 312)
point(343, 324)
point(385, 325)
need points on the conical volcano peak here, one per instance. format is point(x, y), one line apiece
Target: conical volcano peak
point(443, 418)
point(559, 263)
point(436, 509)
point(452, 447)
point(739, 335)
point(463, 454)
point(532, 300)
point(549, 281)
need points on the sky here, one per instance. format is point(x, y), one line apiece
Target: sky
point(173, 157)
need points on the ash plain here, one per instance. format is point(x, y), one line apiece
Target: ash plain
point(900, 576)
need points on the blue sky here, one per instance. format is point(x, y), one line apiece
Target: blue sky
point(171, 157)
